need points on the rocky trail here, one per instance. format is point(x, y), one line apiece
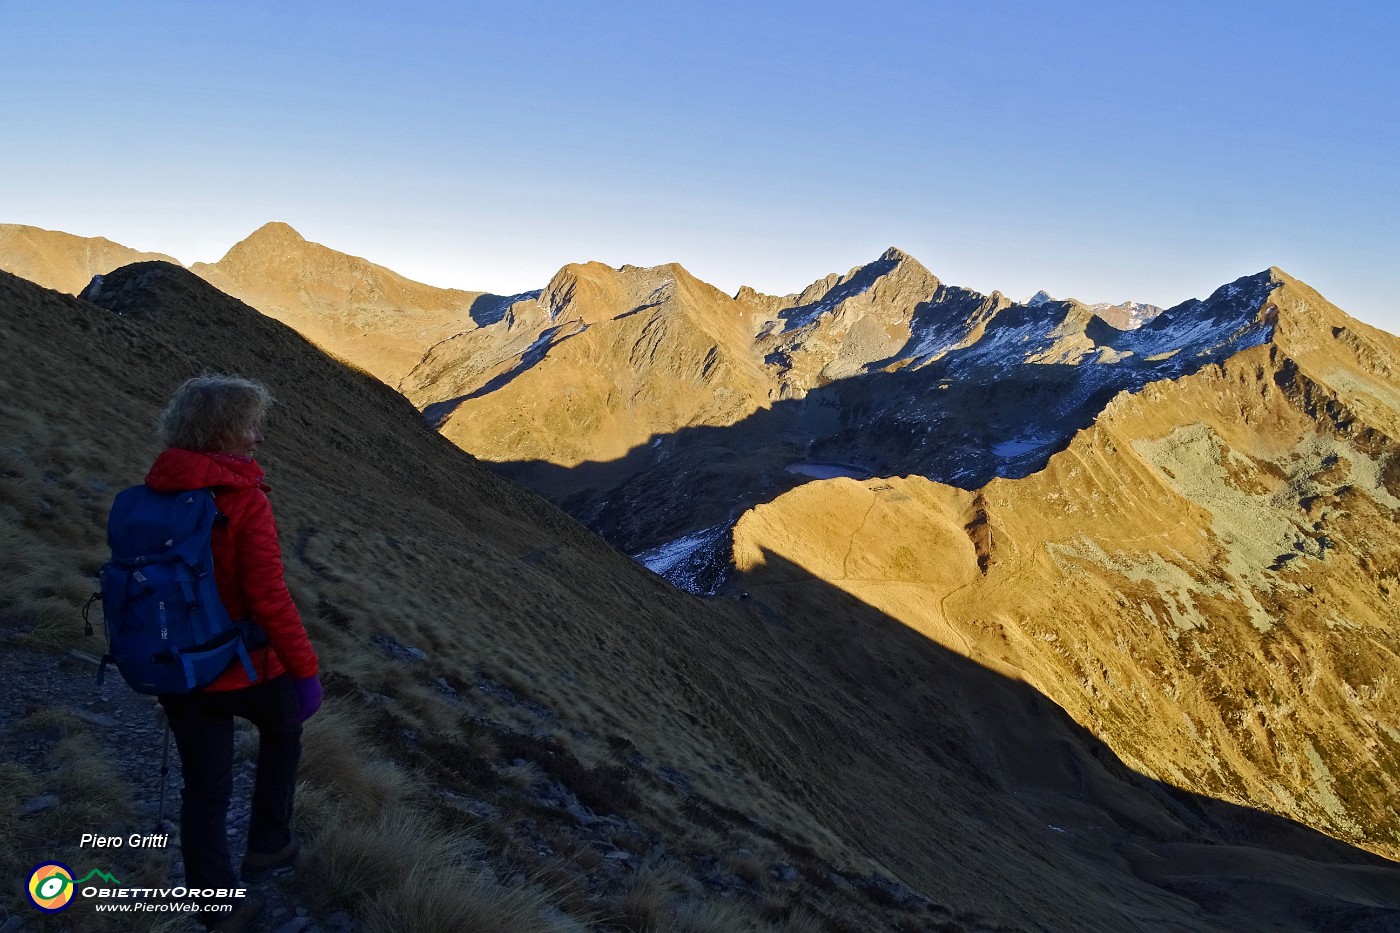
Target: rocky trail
point(44, 689)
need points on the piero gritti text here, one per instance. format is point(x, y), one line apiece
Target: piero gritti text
point(134, 841)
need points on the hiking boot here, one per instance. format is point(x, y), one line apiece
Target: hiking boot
point(258, 863)
point(240, 918)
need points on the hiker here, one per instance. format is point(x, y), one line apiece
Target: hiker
point(211, 429)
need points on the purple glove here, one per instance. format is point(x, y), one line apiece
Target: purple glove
point(309, 695)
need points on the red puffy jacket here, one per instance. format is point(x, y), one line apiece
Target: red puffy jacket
point(247, 559)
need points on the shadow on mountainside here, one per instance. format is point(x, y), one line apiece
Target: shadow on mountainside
point(990, 754)
point(958, 431)
point(954, 409)
point(876, 760)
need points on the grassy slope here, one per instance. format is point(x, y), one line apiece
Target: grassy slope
point(62, 260)
point(349, 306)
point(845, 736)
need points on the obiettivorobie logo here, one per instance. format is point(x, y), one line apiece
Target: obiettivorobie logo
point(51, 885)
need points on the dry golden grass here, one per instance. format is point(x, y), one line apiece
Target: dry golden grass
point(17, 784)
point(745, 864)
point(422, 706)
point(480, 742)
point(567, 886)
point(94, 794)
point(352, 860)
point(371, 849)
point(338, 759)
point(712, 916)
point(383, 326)
point(803, 920)
point(56, 718)
point(664, 898)
point(523, 776)
point(52, 523)
point(647, 904)
point(61, 260)
point(315, 809)
point(401, 872)
point(51, 622)
point(443, 902)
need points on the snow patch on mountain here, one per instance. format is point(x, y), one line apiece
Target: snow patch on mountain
point(807, 315)
point(697, 562)
point(1134, 313)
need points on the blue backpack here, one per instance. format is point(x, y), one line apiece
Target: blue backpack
point(167, 629)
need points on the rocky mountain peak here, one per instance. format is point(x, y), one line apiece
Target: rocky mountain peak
point(274, 239)
point(593, 292)
point(276, 231)
point(274, 243)
point(589, 291)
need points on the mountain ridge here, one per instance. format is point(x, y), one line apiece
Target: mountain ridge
point(350, 306)
point(1180, 523)
point(844, 734)
point(63, 261)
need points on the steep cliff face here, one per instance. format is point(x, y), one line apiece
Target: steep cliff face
point(356, 310)
point(840, 325)
point(62, 261)
point(1206, 578)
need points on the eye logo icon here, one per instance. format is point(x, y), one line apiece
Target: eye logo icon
point(51, 887)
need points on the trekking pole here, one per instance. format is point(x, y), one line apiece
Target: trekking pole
point(164, 776)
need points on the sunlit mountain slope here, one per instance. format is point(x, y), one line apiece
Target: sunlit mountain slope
point(912, 788)
point(362, 313)
point(1206, 578)
point(63, 261)
point(627, 354)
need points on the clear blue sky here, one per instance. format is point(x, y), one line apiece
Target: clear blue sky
point(1104, 150)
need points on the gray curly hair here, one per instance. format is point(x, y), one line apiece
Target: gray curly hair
point(210, 412)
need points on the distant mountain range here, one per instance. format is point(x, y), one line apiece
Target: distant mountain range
point(1177, 524)
point(1126, 315)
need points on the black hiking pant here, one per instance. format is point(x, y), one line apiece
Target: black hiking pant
point(202, 723)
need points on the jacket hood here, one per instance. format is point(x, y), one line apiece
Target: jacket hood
point(177, 469)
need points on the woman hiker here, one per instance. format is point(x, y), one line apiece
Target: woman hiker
point(211, 429)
